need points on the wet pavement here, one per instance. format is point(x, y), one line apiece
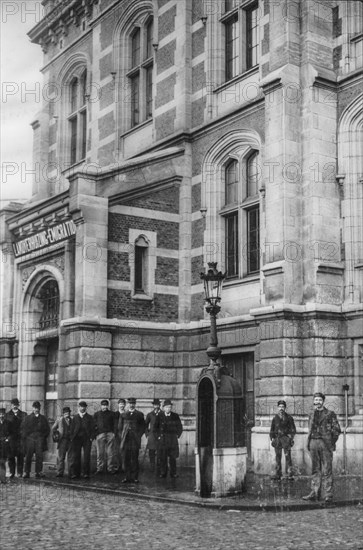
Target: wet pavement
point(260, 492)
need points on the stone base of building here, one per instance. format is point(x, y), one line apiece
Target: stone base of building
point(221, 472)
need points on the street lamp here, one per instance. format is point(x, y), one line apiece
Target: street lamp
point(213, 280)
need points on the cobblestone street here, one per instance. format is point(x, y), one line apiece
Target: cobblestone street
point(43, 517)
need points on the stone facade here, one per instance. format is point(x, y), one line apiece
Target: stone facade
point(148, 200)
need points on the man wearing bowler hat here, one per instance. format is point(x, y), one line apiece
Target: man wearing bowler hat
point(282, 435)
point(16, 452)
point(131, 428)
point(61, 432)
point(323, 434)
point(121, 405)
point(151, 435)
point(169, 428)
point(82, 435)
point(35, 430)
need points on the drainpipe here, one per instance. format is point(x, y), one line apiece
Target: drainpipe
point(346, 390)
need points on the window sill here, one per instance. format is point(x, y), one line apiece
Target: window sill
point(244, 281)
point(236, 79)
point(136, 128)
point(73, 167)
point(141, 297)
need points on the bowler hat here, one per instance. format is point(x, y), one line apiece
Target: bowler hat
point(281, 402)
point(131, 400)
point(2, 410)
point(36, 405)
point(66, 409)
point(122, 401)
point(105, 402)
point(82, 404)
point(167, 402)
point(15, 401)
point(319, 394)
point(156, 402)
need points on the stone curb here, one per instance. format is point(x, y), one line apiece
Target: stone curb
point(206, 503)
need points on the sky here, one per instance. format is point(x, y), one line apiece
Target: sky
point(21, 94)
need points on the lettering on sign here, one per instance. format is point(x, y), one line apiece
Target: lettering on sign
point(47, 237)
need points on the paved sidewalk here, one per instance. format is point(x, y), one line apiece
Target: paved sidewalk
point(261, 493)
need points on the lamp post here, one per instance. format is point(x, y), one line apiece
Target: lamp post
point(213, 281)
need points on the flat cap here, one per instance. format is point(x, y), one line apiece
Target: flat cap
point(167, 402)
point(281, 402)
point(66, 409)
point(131, 400)
point(319, 394)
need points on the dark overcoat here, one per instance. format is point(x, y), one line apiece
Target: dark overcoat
point(61, 427)
point(15, 440)
point(88, 426)
point(5, 433)
point(31, 429)
point(169, 429)
point(150, 432)
point(131, 427)
point(282, 430)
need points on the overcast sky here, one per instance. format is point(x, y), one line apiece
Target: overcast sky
point(20, 76)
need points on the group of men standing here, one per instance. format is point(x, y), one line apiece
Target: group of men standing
point(118, 441)
point(323, 434)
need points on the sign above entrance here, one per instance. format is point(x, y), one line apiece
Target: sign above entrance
point(52, 235)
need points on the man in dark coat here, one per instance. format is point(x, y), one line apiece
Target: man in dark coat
point(5, 431)
point(61, 431)
point(105, 439)
point(131, 428)
point(34, 430)
point(152, 439)
point(323, 434)
point(16, 451)
point(82, 435)
point(282, 435)
point(169, 428)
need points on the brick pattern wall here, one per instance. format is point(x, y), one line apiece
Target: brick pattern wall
point(198, 109)
point(106, 95)
point(196, 197)
point(198, 77)
point(197, 10)
point(166, 23)
point(197, 308)
point(197, 268)
point(198, 42)
point(106, 125)
point(166, 200)
point(165, 91)
point(164, 124)
point(163, 307)
point(197, 233)
point(167, 271)
point(165, 56)
point(118, 268)
point(119, 225)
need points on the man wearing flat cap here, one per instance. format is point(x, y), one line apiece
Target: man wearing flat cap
point(16, 451)
point(323, 434)
point(282, 435)
point(151, 434)
point(61, 432)
point(120, 455)
point(169, 428)
point(34, 430)
point(82, 435)
point(131, 427)
point(105, 439)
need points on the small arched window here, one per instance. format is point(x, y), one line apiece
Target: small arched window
point(141, 257)
point(49, 298)
point(252, 175)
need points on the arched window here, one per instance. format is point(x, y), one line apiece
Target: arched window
point(77, 118)
point(141, 267)
point(140, 73)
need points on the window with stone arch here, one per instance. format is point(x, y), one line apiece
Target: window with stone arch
point(142, 263)
point(232, 179)
point(72, 112)
point(134, 66)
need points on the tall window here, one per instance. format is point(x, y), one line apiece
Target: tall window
point(140, 278)
point(77, 118)
point(140, 74)
point(241, 32)
point(241, 217)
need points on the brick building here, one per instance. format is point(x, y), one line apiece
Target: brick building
point(173, 133)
